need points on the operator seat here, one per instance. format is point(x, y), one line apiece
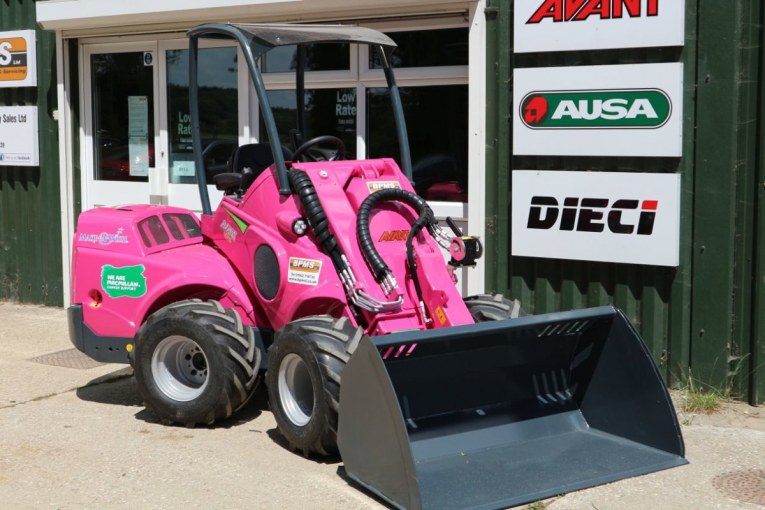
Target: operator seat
point(251, 159)
point(246, 163)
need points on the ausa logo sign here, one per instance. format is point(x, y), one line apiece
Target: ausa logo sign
point(596, 109)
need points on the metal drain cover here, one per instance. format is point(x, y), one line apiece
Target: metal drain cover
point(747, 486)
point(69, 358)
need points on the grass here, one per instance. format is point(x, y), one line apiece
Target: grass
point(699, 400)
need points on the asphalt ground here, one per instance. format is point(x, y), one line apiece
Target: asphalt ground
point(75, 435)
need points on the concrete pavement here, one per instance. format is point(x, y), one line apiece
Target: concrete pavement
point(74, 434)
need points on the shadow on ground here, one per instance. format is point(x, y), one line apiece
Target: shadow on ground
point(120, 388)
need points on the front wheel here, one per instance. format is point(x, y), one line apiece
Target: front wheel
point(493, 307)
point(305, 365)
point(195, 362)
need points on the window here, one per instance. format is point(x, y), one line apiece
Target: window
point(218, 112)
point(318, 57)
point(327, 112)
point(123, 117)
point(427, 48)
point(436, 118)
point(346, 97)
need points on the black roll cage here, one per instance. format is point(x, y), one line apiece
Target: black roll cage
point(255, 41)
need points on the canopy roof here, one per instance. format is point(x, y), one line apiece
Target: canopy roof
point(273, 35)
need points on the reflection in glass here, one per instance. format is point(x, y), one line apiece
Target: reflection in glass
point(327, 112)
point(437, 119)
point(123, 116)
point(218, 112)
point(318, 57)
point(427, 48)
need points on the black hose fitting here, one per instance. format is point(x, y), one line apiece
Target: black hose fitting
point(376, 264)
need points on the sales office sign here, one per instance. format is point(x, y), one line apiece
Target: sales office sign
point(568, 25)
point(18, 59)
point(622, 110)
point(631, 218)
point(18, 136)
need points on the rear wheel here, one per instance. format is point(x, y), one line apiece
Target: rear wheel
point(493, 307)
point(195, 362)
point(305, 365)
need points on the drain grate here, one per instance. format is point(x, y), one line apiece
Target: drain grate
point(747, 486)
point(69, 358)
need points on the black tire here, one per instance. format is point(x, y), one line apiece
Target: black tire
point(305, 366)
point(195, 362)
point(493, 307)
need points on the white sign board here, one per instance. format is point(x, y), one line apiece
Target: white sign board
point(622, 110)
point(138, 135)
point(18, 136)
point(632, 218)
point(568, 25)
point(18, 59)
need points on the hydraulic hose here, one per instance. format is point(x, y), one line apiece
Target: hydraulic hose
point(317, 218)
point(376, 264)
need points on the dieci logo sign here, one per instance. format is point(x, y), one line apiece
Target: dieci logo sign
point(624, 110)
point(566, 25)
point(18, 59)
point(630, 218)
point(611, 109)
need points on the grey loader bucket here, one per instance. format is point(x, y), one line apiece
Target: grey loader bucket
point(502, 413)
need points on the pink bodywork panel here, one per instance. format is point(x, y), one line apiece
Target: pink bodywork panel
point(129, 261)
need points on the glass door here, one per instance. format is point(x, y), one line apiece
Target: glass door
point(220, 104)
point(119, 159)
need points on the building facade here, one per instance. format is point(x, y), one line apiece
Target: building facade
point(500, 99)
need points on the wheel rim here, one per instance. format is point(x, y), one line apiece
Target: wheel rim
point(179, 367)
point(296, 390)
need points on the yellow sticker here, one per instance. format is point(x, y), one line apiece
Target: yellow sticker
point(441, 315)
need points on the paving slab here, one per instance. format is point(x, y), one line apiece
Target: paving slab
point(74, 434)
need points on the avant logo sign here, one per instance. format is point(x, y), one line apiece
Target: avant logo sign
point(596, 109)
point(560, 11)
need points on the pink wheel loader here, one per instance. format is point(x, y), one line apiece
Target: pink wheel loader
point(328, 276)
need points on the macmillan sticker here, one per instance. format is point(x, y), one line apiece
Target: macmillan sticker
point(127, 281)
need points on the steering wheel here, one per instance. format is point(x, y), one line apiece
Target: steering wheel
point(303, 150)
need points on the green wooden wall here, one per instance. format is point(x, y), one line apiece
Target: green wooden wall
point(705, 319)
point(30, 224)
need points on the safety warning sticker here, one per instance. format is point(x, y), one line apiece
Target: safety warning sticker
point(304, 271)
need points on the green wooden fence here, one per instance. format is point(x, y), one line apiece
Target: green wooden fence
point(30, 213)
point(703, 319)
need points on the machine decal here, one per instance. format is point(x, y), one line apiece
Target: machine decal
point(104, 238)
point(440, 315)
point(378, 185)
point(239, 222)
point(304, 271)
point(393, 235)
point(229, 232)
point(127, 281)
